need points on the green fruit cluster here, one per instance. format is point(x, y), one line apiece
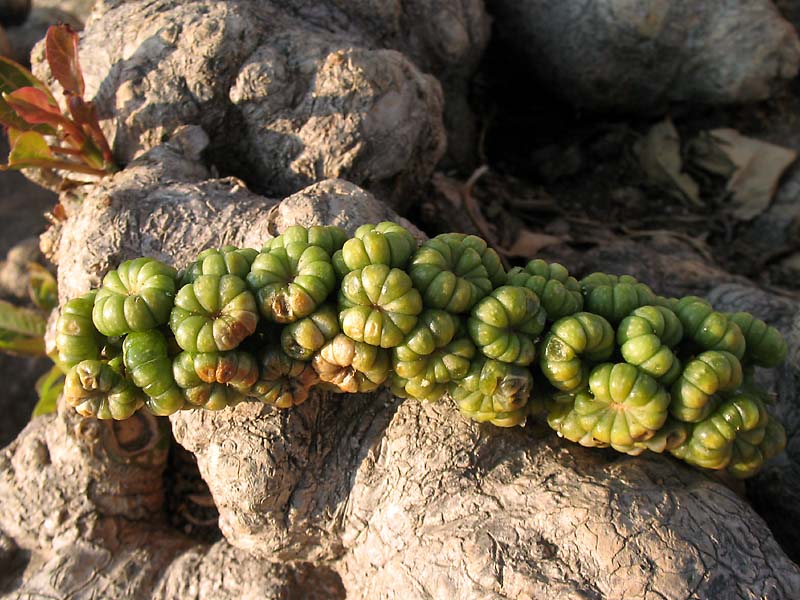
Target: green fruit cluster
point(615, 365)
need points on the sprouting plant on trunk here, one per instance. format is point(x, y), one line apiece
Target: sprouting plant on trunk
point(41, 134)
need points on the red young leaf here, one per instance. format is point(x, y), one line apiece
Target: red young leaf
point(85, 115)
point(82, 112)
point(12, 78)
point(34, 106)
point(61, 49)
point(9, 118)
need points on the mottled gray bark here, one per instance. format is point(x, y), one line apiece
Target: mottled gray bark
point(366, 496)
point(643, 56)
point(290, 93)
point(82, 518)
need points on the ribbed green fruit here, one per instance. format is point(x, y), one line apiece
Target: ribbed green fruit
point(237, 369)
point(213, 314)
point(430, 357)
point(135, 297)
point(694, 393)
point(450, 273)
point(301, 339)
point(328, 237)
point(434, 329)
point(645, 337)
point(573, 344)
point(292, 281)
point(614, 297)
point(568, 423)
point(77, 339)
point(419, 389)
point(351, 366)
point(752, 449)
point(214, 380)
point(559, 293)
point(284, 382)
point(709, 329)
point(713, 416)
point(623, 406)
point(99, 389)
point(764, 345)
point(494, 392)
point(150, 368)
point(671, 435)
point(489, 258)
point(506, 324)
point(747, 457)
point(443, 365)
point(670, 303)
point(562, 418)
point(228, 260)
point(711, 442)
point(386, 243)
point(378, 305)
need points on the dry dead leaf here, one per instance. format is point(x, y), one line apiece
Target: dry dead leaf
point(705, 152)
point(528, 243)
point(758, 166)
point(659, 154)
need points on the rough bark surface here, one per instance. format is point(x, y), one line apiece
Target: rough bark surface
point(290, 93)
point(364, 496)
point(82, 518)
point(643, 56)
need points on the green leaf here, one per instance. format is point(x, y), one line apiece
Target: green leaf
point(10, 118)
point(48, 387)
point(30, 150)
point(42, 288)
point(21, 321)
point(97, 151)
point(29, 146)
point(21, 330)
point(61, 50)
point(21, 345)
point(14, 76)
point(91, 154)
